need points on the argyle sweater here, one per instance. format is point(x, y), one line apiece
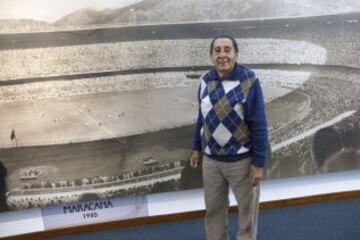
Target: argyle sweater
point(231, 122)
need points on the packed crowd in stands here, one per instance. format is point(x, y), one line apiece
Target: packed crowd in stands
point(292, 160)
point(30, 201)
point(102, 181)
point(40, 62)
point(341, 46)
point(157, 186)
point(300, 152)
point(58, 89)
point(330, 96)
point(67, 60)
point(349, 124)
point(88, 58)
point(146, 180)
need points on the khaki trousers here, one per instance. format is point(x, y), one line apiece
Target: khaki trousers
point(218, 177)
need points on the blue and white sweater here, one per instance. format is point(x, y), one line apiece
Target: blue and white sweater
point(231, 123)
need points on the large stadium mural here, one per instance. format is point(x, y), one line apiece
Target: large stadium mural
point(102, 102)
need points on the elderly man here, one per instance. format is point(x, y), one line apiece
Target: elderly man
point(231, 140)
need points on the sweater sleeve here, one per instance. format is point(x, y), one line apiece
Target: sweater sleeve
point(197, 138)
point(255, 116)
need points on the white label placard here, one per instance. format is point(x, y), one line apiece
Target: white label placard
point(95, 211)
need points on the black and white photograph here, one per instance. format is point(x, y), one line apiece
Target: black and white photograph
point(98, 99)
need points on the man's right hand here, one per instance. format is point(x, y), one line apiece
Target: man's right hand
point(195, 159)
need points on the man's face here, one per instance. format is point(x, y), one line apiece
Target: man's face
point(223, 56)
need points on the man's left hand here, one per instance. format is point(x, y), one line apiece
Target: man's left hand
point(256, 173)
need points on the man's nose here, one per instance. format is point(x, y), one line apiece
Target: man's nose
point(222, 53)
